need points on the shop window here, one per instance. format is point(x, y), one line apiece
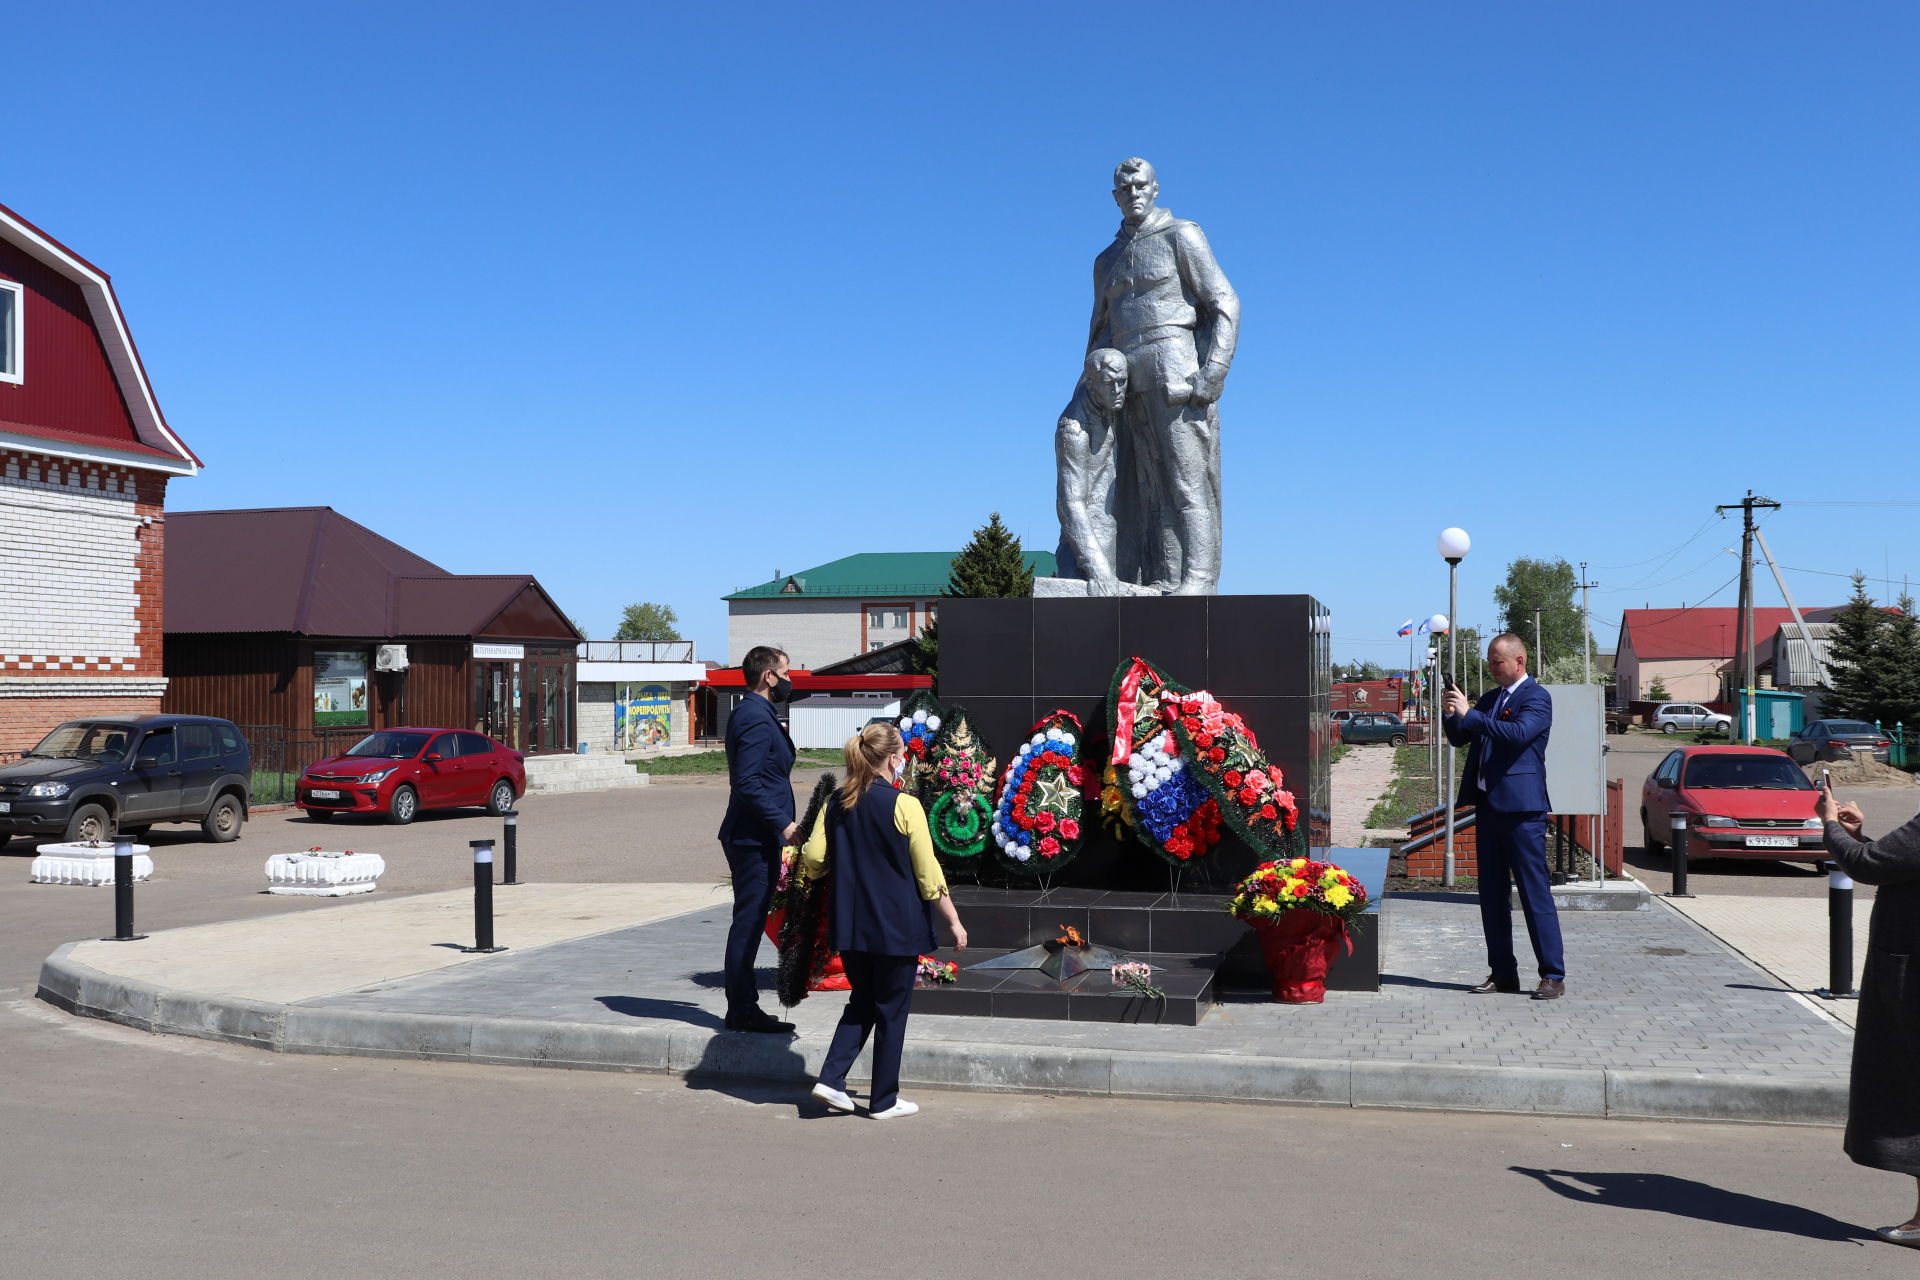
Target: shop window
point(13, 299)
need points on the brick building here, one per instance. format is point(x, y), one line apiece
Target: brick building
point(85, 457)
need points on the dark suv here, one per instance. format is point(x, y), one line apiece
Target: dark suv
point(90, 778)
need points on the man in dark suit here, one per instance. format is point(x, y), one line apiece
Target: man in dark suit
point(759, 820)
point(1506, 782)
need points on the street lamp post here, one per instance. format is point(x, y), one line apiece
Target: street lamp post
point(1453, 545)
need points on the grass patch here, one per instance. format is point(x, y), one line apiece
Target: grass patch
point(1412, 790)
point(715, 762)
point(1338, 753)
point(273, 788)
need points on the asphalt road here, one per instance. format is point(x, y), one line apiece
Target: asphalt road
point(1631, 757)
point(180, 1158)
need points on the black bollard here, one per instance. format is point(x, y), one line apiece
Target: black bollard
point(482, 897)
point(512, 845)
point(1679, 838)
point(1839, 936)
point(123, 892)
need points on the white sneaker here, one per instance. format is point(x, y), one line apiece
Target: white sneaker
point(901, 1107)
point(833, 1098)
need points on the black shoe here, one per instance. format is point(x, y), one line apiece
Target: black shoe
point(1551, 989)
point(761, 1021)
point(1496, 986)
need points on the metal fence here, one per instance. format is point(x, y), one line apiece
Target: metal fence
point(280, 754)
point(636, 651)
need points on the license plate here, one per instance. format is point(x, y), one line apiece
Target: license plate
point(324, 795)
point(6, 806)
point(1773, 842)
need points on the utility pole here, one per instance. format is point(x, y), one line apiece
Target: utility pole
point(1586, 623)
point(1744, 648)
point(1539, 645)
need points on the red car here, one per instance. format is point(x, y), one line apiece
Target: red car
point(399, 772)
point(1740, 802)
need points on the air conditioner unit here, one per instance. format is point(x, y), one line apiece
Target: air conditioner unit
point(390, 657)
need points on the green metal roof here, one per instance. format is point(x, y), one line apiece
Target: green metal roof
point(877, 574)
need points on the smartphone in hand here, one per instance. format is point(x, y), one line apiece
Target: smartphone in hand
point(1446, 682)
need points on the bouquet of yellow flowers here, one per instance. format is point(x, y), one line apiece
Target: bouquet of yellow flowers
point(1275, 888)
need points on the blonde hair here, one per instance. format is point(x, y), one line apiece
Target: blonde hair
point(867, 754)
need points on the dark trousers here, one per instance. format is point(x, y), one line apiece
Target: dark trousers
point(877, 1006)
point(755, 871)
point(1514, 846)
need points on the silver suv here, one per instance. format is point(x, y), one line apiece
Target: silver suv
point(1672, 717)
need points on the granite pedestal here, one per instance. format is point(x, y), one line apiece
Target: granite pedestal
point(1267, 658)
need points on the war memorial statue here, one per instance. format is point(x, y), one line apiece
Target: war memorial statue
point(1139, 489)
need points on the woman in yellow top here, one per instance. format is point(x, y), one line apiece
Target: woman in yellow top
point(884, 888)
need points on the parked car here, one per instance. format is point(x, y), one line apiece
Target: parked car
point(1343, 715)
point(91, 778)
point(399, 772)
point(1672, 717)
point(1740, 802)
point(1375, 726)
point(1619, 721)
point(1835, 740)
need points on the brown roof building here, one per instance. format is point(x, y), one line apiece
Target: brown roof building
point(302, 623)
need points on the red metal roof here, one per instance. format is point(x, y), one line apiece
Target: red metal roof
point(312, 571)
point(1701, 632)
point(806, 681)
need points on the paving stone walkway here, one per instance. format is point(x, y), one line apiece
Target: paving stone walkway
point(1649, 990)
point(1359, 779)
point(1787, 937)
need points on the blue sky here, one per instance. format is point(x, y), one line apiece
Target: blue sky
point(653, 304)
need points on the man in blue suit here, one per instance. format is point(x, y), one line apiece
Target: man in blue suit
point(1506, 782)
point(759, 820)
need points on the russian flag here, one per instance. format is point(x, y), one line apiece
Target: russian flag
point(1406, 628)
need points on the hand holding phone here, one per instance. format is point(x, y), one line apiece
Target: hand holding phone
point(1446, 682)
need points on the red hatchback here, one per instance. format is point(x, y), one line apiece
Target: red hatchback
point(399, 772)
point(1739, 802)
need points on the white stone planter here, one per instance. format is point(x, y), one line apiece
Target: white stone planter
point(324, 875)
point(83, 864)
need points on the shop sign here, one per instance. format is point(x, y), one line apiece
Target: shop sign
point(642, 716)
point(511, 652)
point(339, 687)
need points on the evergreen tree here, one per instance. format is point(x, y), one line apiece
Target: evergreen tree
point(1657, 691)
point(1899, 659)
point(1858, 675)
point(990, 566)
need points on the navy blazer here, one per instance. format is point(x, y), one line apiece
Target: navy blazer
point(1511, 751)
point(759, 769)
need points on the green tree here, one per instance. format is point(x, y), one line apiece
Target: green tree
point(1900, 658)
point(990, 566)
point(1547, 586)
point(1857, 669)
point(1353, 672)
point(648, 621)
point(1657, 691)
point(1571, 668)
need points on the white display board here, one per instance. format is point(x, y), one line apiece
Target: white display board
point(1576, 767)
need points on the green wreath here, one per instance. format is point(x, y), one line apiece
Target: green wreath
point(960, 821)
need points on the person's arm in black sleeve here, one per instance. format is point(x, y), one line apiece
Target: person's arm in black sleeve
point(1892, 859)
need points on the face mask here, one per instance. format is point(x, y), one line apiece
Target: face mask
point(781, 688)
point(900, 771)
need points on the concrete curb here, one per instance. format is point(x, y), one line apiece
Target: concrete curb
point(698, 1052)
